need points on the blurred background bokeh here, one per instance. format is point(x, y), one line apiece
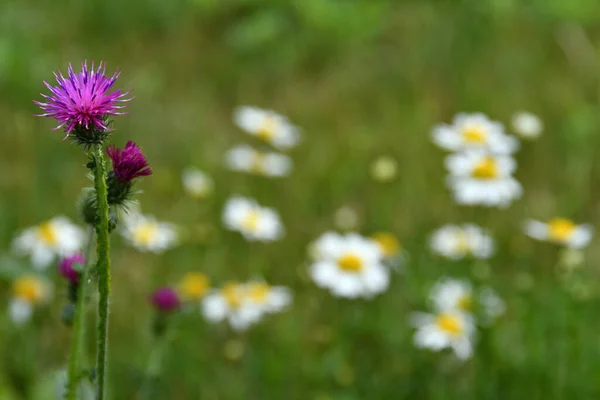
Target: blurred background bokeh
point(362, 79)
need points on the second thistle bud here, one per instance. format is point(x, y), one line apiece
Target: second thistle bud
point(128, 165)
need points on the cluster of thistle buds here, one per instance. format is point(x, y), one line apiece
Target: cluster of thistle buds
point(83, 107)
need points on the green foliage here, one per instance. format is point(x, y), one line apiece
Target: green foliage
point(362, 78)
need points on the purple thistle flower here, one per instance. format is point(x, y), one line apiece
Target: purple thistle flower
point(128, 163)
point(82, 99)
point(65, 268)
point(165, 299)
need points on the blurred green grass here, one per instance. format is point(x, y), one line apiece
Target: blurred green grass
point(362, 79)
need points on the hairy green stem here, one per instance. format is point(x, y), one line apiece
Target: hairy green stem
point(78, 331)
point(103, 269)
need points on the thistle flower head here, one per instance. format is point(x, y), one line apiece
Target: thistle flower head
point(165, 299)
point(81, 101)
point(66, 269)
point(128, 163)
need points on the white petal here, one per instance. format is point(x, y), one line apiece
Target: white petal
point(536, 229)
point(581, 236)
point(214, 307)
point(20, 311)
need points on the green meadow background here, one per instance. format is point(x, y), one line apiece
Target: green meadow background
point(363, 79)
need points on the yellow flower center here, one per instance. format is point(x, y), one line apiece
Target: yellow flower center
point(350, 263)
point(193, 286)
point(233, 294)
point(145, 234)
point(29, 288)
point(388, 243)
point(473, 134)
point(486, 169)
point(258, 163)
point(449, 323)
point(560, 229)
point(267, 128)
point(258, 292)
point(47, 234)
point(250, 222)
point(465, 302)
point(462, 244)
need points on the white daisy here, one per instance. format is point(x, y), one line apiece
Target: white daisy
point(246, 159)
point(446, 329)
point(452, 294)
point(474, 132)
point(267, 125)
point(27, 292)
point(527, 125)
point(477, 178)
point(146, 234)
point(349, 266)
point(252, 220)
point(232, 303)
point(456, 242)
point(196, 183)
point(492, 305)
point(384, 169)
point(272, 299)
point(50, 240)
point(560, 231)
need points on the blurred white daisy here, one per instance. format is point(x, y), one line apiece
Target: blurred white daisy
point(27, 292)
point(267, 125)
point(246, 159)
point(456, 242)
point(349, 266)
point(491, 304)
point(243, 305)
point(446, 329)
point(390, 247)
point(252, 220)
point(527, 125)
point(452, 294)
point(50, 240)
point(145, 233)
point(478, 178)
point(474, 132)
point(384, 169)
point(196, 183)
point(272, 299)
point(560, 231)
point(346, 218)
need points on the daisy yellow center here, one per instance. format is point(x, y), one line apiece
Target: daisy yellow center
point(258, 163)
point(232, 294)
point(29, 288)
point(486, 169)
point(388, 243)
point(462, 244)
point(449, 323)
point(250, 222)
point(145, 234)
point(267, 128)
point(465, 302)
point(47, 234)
point(350, 263)
point(474, 134)
point(194, 286)
point(561, 229)
point(258, 292)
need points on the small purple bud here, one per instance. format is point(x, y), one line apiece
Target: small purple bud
point(65, 268)
point(165, 299)
point(128, 163)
